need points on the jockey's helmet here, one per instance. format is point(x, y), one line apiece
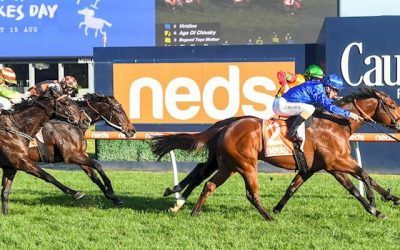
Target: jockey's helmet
point(70, 82)
point(8, 75)
point(314, 71)
point(333, 81)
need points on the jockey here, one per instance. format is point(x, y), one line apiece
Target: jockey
point(9, 96)
point(67, 85)
point(289, 80)
point(300, 101)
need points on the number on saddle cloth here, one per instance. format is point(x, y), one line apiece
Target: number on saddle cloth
point(274, 134)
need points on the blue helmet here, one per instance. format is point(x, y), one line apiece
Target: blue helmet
point(333, 81)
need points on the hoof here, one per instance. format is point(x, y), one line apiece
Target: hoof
point(396, 203)
point(118, 201)
point(380, 215)
point(78, 195)
point(276, 211)
point(168, 192)
point(195, 214)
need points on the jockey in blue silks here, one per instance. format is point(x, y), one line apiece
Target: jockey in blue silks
point(300, 100)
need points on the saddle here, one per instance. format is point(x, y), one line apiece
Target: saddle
point(41, 147)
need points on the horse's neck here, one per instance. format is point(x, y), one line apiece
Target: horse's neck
point(30, 120)
point(95, 117)
point(364, 110)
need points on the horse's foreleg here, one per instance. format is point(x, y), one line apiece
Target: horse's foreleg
point(344, 180)
point(85, 160)
point(296, 183)
point(350, 166)
point(385, 193)
point(8, 177)
point(93, 176)
point(251, 182)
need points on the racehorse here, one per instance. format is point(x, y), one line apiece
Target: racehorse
point(236, 144)
point(18, 127)
point(66, 143)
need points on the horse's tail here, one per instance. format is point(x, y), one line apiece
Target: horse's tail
point(107, 23)
point(162, 145)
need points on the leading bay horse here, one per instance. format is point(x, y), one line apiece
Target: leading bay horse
point(65, 142)
point(236, 144)
point(16, 130)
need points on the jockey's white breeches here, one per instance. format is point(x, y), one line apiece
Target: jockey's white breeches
point(5, 103)
point(284, 108)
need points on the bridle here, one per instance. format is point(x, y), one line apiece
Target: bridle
point(386, 107)
point(70, 118)
point(113, 108)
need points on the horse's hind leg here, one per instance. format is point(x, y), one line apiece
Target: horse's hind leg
point(31, 168)
point(201, 172)
point(296, 183)
point(8, 177)
point(251, 182)
point(217, 180)
point(344, 180)
point(196, 180)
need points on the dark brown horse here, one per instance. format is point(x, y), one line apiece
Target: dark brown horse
point(236, 146)
point(66, 143)
point(18, 127)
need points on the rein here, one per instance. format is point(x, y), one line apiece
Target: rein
point(108, 121)
point(68, 118)
point(13, 131)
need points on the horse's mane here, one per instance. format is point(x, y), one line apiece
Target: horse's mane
point(362, 93)
point(92, 97)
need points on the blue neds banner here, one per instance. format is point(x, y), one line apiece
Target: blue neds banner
point(46, 28)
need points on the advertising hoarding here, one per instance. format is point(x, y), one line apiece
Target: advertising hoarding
point(51, 28)
point(196, 93)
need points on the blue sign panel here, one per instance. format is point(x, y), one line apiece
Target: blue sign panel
point(365, 51)
point(72, 28)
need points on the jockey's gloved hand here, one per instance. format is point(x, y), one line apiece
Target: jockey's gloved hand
point(355, 117)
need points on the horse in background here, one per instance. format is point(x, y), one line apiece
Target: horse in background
point(17, 129)
point(237, 145)
point(64, 142)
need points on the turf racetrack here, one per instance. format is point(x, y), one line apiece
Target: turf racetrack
point(321, 215)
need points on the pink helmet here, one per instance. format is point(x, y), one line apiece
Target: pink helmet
point(8, 75)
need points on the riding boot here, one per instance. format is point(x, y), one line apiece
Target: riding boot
point(292, 133)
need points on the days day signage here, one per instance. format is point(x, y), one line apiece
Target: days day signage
point(52, 28)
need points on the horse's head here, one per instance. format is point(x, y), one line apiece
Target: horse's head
point(377, 106)
point(86, 12)
point(387, 112)
point(61, 106)
point(111, 111)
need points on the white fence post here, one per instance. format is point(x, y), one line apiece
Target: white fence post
point(175, 171)
point(358, 157)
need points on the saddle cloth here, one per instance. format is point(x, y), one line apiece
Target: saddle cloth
point(38, 137)
point(275, 141)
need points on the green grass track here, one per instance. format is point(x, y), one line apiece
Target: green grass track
point(321, 215)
